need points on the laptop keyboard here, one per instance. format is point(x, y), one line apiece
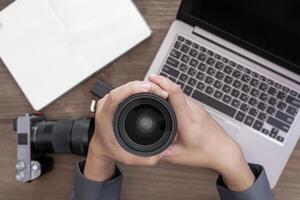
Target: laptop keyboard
point(233, 89)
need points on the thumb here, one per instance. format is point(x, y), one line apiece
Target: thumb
point(173, 153)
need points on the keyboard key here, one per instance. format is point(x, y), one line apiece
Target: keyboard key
point(202, 67)
point(270, 82)
point(253, 112)
point(218, 84)
point(281, 95)
point(263, 87)
point(272, 91)
point(203, 49)
point(232, 64)
point(220, 75)
point(247, 71)
point(235, 93)
point(194, 63)
point(187, 90)
point(274, 133)
point(172, 62)
point(271, 110)
point(200, 76)
point(272, 101)
point(225, 60)
point(217, 56)
point(170, 71)
point(210, 61)
point(280, 139)
point(281, 105)
point(262, 116)
point(193, 53)
point(237, 84)
point(211, 71)
point(183, 67)
point(253, 101)
point(228, 80)
point(278, 86)
point(226, 88)
point(262, 78)
point(183, 77)
point(236, 103)
point(210, 53)
point(246, 88)
point(163, 74)
point(293, 101)
point(219, 65)
point(244, 97)
point(285, 89)
point(228, 70)
point(262, 106)
point(214, 103)
point(240, 67)
point(175, 54)
point(254, 74)
point(209, 90)
point(192, 71)
point(181, 38)
point(244, 107)
point(195, 45)
point(181, 84)
point(240, 116)
point(227, 99)
point(185, 48)
point(254, 82)
point(218, 94)
point(201, 86)
point(245, 78)
point(254, 92)
point(284, 117)
point(278, 124)
point(263, 97)
point(249, 121)
point(202, 57)
point(236, 74)
point(192, 82)
point(292, 111)
point(258, 125)
point(293, 93)
point(265, 131)
point(177, 45)
point(185, 59)
point(209, 80)
point(188, 42)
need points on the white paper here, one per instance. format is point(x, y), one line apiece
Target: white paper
point(50, 46)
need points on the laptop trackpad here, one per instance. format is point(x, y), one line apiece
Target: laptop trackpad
point(227, 125)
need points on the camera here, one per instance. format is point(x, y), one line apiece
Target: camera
point(144, 125)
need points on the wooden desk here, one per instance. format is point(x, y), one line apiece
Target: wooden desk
point(165, 181)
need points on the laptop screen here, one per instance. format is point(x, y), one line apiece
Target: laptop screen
point(270, 28)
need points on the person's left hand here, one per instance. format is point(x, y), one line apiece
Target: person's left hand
point(104, 149)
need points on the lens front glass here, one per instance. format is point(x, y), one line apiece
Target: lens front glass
point(145, 124)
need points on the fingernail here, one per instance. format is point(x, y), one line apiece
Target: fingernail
point(146, 86)
point(153, 75)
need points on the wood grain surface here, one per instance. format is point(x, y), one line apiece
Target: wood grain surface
point(165, 181)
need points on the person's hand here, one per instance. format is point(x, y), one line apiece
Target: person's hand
point(201, 142)
point(104, 149)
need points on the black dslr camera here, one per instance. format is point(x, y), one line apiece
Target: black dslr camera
point(144, 125)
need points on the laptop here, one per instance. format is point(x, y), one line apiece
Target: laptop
point(50, 46)
point(240, 59)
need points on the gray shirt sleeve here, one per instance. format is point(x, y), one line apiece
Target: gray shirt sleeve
point(259, 190)
point(86, 189)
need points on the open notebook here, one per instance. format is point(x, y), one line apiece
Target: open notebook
point(50, 46)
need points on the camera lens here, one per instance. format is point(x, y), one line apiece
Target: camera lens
point(65, 136)
point(145, 124)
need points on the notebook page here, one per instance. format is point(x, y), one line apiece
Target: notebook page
point(102, 29)
point(39, 54)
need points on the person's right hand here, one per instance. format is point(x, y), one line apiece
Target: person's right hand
point(201, 142)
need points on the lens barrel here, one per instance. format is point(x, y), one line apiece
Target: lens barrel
point(145, 124)
point(64, 136)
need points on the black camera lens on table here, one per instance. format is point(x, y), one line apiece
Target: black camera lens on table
point(144, 125)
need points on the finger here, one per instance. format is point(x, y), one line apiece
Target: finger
point(130, 159)
point(173, 153)
point(155, 89)
point(116, 96)
point(176, 96)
